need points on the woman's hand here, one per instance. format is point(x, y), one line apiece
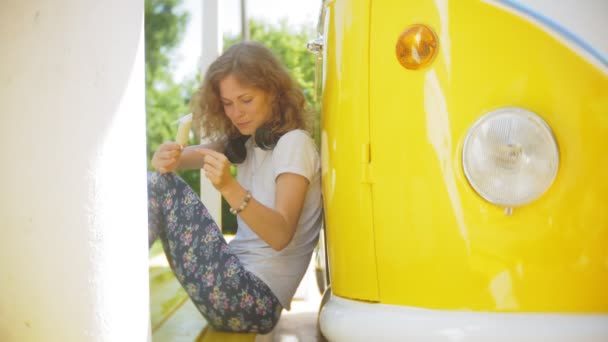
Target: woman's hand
point(166, 158)
point(217, 168)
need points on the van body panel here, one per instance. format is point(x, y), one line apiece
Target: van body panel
point(438, 244)
point(344, 145)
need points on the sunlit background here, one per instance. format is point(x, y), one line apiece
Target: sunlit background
point(297, 13)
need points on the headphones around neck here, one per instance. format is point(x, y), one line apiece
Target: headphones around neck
point(264, 138)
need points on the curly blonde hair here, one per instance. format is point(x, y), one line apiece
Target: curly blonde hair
point(253, 65)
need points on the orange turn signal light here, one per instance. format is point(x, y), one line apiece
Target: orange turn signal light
point(417, 47)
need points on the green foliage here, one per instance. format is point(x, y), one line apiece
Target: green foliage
point(229, 223)
point(228, 220)
point(155, 249)
point(165, 23)
point(166, 101)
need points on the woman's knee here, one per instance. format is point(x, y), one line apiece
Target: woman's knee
point(158, 181)
point(158, 178)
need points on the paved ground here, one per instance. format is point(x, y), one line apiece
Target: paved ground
point(300, 323)
point(175, 319)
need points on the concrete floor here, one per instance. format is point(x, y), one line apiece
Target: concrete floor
point(300, 323)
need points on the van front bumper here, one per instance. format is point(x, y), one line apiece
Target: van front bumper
point(348, 320)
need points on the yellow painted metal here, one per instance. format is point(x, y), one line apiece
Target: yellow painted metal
point(438, 244)
point(345, 150)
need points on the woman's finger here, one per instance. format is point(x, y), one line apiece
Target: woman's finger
point(175, 155)
point(211, 154)
point(211, 176)
point(170, 146)
point(212, 171)
point(165, 156)
point(216, 163)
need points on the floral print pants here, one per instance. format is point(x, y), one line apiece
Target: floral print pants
point(228, 296)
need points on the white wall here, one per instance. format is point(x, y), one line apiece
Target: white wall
point(73, 252)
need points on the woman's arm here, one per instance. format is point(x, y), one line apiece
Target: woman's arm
point(275, 227)
point(171, 156)
point(190, 159)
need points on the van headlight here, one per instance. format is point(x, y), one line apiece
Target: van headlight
point(510, 157)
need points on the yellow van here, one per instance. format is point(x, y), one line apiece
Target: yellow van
point(465, 170)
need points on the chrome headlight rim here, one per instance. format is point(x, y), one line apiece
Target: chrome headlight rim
point(493, 114)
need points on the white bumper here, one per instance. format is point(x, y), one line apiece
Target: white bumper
point(348, 320)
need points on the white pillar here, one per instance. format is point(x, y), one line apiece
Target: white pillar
point(73, 257)
point(211, 49)
point(244, 23)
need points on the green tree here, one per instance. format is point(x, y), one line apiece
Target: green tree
point(166, 100)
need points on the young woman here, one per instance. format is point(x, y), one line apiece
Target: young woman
point(254, 114)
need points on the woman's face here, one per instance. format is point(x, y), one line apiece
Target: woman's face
point(247, 107)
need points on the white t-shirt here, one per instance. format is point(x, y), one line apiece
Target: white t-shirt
point(282, 271)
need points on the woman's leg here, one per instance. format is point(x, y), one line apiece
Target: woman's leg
point(230, 297)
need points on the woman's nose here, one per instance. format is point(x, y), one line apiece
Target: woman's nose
point(238, 110)
point(232, 111)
